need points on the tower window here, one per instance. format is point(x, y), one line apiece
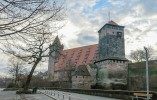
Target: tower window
point(119, 34)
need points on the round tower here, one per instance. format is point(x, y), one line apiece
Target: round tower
point(55, 50)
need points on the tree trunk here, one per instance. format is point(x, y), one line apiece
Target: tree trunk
point(30, 75)
point(16, 75)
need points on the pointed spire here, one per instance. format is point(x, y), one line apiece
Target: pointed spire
point(56, 41)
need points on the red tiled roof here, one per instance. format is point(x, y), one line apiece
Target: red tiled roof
point(112, 22)
point(77, 56)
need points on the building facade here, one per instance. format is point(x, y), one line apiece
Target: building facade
point(111, 41)
point(108, 55)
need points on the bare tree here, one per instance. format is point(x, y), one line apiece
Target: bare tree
point(69, 69)
point(22, 16)
point(32, 48)
point(139, 55)
point(31, 43)
point(16, 67)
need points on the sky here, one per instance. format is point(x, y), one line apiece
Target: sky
point(86, 17)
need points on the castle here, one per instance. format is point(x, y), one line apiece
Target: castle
point(102, 63)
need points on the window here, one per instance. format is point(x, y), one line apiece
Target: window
point(80, 50)
point(84, 62)
point(119, 34)
point(87, 52)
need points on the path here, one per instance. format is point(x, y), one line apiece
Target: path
point(59, 95)
point(11, 95)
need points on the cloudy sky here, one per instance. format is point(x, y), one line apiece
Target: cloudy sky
point(86, 17)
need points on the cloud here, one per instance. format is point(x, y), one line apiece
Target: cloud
point(87, 39)
point(86, 17)
point(117, 2)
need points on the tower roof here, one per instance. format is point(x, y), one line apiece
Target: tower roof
point(56, 41)
point(56, 44)
point(112, 23)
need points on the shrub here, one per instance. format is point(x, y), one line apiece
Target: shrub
point(97, 86)
point(12, 85)
point(21, 91)
point(10, 89)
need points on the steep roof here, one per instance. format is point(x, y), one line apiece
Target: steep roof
point(81, 71)
point(112, 22)
point(56, 41)
point(77, 56)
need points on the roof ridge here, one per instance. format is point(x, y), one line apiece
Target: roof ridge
point(81, 47)
point(112, 22)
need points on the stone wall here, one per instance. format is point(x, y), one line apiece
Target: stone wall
point(111, 43)
point(112, 72)
point(61, 84)
point(137, 76)
point(61, 75)
point(92, 72)
point(81, 82)
point(51, 66)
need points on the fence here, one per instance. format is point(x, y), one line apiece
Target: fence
point(58, 95)
point(119, 94)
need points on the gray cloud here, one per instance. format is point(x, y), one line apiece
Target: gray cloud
point(138, 16)
point(87, 38)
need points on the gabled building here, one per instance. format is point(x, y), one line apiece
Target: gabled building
point(108, 54)
point(81, 78)
point(71, 59)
